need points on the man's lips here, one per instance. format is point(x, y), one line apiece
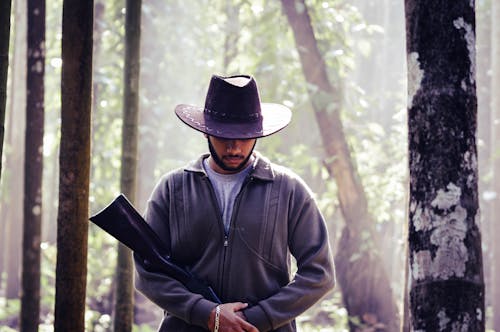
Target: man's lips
point(233, 159)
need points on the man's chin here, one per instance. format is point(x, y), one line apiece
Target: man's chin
point(233, 168)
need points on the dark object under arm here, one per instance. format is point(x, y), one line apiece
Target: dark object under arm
point(122, 221)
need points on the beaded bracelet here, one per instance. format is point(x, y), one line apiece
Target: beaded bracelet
point(217, 314)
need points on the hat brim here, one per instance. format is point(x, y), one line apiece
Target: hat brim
point(274, 118)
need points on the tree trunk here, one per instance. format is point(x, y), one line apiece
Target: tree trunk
point(33, 167)
point(495, 107)
point(15, 157)
point(148, 151)
point(74, 164)
point(446, 273)
point(232, 32)
point(124, 292)
point(363, 280)
point(5, 12)
point(5, 7)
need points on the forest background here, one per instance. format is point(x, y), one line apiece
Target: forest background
point(183, 43)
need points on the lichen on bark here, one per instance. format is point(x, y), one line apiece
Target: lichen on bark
point(448, 230)
point(415, 75)
point(470, 39)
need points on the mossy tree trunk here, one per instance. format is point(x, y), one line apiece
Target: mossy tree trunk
point(446, 273)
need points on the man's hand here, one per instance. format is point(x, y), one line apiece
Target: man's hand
point(231, 318)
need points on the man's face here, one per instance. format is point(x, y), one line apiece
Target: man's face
point(230, 155)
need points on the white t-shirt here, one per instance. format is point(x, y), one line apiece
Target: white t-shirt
point(227, 187)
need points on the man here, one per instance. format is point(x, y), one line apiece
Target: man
point(233, 219)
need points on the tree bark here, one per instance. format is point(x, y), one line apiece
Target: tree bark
point(33, 167)
point(5, 12)
point(15, 157)
point(446, 273)
point(124, 292)
point(74, 164)
point(495, 107)
point(365, 285)
point(5, 8)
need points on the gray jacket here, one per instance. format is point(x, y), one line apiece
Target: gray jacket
point(274, 216)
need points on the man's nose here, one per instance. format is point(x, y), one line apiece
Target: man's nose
point(233, 145)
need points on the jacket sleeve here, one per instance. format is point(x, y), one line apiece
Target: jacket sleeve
point(309, 244)
point(168, 293)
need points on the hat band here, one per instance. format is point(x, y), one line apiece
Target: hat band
point(230, 117)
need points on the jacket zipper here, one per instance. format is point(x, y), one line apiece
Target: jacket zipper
point(215, 203)
point(237, 206)
point(231, 224)
point(221, 222)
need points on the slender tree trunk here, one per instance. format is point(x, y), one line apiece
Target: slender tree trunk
point(495, 107)
point(405, 324)
point(5, 12)
point(5, 7)
point(148, 151)
point(15, 157)
point(364, 282)
point(13, 204)
point(446, 273)
point(124, 292)
point(33, 167)
point(74, 162)
point(232, 32)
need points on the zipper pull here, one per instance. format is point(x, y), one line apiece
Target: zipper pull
point(226, 243)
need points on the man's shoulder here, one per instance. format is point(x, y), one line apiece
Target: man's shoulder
point(282, 171)
point(194, 165)
point(291, 182)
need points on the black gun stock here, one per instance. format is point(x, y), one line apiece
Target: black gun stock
point(122, 221)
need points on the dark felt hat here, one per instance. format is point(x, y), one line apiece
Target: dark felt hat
point(233, 110)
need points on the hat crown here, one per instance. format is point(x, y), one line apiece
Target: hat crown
point(233, 110)
point(233, 99)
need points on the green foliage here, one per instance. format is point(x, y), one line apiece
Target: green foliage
point(101, 268)
point(48, 280)
point(97, 321)
point(6, 329)
point(143, 328)
point(107, 110)
point(9, 311)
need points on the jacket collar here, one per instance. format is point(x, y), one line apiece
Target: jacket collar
point(262, 167)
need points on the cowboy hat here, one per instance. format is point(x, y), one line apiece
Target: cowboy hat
point(233, 110)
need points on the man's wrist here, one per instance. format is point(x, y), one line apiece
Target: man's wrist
point(217, 316)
